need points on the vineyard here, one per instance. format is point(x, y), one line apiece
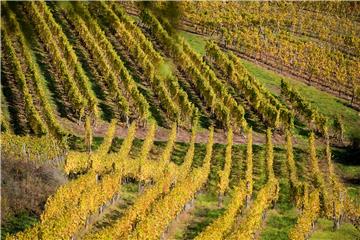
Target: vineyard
point(180, 120)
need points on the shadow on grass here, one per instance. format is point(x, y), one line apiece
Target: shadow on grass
point(199, 155)
point(77, 143)
point(11, 102)
point(155, 110)
point(346, 156)
point(17, 223)
point(179, 153)
point(107, 111)
point(254, 123)
point(349, 163)
point(42, 59)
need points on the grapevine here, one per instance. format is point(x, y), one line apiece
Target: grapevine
point(79, 103)
point(167, 208)
point(36, 124)
point(225, 173)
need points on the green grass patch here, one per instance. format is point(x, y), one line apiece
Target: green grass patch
point(259, 167)
point(129, 194)
point(205, 212)
point(278, 225)
point(17, 223)
point(283, 217)
point(197, 42)
point(166, 69)
point(324, 231)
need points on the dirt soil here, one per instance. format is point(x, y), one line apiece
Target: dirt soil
point(183, 135)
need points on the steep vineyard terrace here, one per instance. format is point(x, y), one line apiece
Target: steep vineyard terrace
point(118, 123)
